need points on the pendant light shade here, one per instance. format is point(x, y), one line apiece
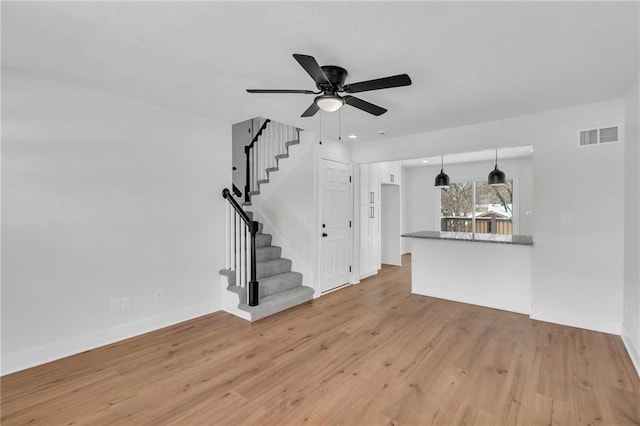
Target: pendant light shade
point(496, 176)
point(442, 180)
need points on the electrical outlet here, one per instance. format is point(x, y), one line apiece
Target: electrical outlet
point(114, 306)
point(160, 296)
point(125, 303)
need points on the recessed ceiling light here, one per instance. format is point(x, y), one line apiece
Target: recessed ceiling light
point(353, 136)
point(531, 150)
point(382, 132)
point(425, 161)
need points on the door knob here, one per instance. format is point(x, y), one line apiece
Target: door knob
point(324, 234)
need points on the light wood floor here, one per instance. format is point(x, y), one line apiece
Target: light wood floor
point(368, 354)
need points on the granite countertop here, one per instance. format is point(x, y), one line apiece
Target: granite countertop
point(523, 240)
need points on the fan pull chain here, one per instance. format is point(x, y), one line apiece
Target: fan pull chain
point(340, 124)
point(320, 135)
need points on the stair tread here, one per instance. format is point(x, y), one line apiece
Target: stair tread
point(277, 283)
point(271, 267)
point(273, 261)
point(263, 240)
point(272, 278)
point(278, 302)
point(276, 296)
point(268, 253)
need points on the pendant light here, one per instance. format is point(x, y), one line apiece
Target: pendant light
point(496, 176)
point(442, 180)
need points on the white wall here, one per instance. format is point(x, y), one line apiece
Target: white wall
point(577, 267)
point(104, 197)
point(241, 135)
point(631, 325)
point(287, 206)
point(420, 202)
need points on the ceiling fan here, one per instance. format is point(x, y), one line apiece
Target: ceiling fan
point(330, 81)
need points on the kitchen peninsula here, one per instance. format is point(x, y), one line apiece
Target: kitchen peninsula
point(482, 269)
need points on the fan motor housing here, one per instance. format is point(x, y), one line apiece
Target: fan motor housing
point(336, 75)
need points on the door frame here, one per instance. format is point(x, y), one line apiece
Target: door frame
point(321, 278)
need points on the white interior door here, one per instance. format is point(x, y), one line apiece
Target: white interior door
point(336, 222)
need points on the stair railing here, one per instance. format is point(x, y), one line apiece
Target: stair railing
point(252, 166)
point(241, 247)
point(262, 154)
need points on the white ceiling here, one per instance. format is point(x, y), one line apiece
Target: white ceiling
point(469, 61)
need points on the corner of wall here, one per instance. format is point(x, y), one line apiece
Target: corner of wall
point(632, 349)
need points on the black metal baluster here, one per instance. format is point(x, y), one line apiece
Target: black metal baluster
point(253, 284)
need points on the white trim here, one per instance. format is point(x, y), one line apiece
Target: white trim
point(368, 275)
point(231, 300)
point(588, 323)
point(75, 345)
point(633, 352)
point(340, 287)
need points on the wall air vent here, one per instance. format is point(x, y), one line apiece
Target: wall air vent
point(588, 137)
point(597, 136)
point(610, 134)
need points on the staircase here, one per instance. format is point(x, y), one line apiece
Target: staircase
point(252, 258)
point(271, 145)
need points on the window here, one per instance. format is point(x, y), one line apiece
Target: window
point(476, 207)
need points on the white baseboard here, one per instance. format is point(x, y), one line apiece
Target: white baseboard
point(75, 345)
point(370, 274)
point(588, 323)
point(634, 353)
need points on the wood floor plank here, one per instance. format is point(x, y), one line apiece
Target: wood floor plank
point(367, 354)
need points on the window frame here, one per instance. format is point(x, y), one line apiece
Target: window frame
point(515, 215)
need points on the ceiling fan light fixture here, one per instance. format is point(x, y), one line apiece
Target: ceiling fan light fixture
point(329, 103)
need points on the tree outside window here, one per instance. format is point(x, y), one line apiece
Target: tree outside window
point(489, 208)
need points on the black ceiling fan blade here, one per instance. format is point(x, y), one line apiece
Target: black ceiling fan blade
point(379, 83)
point(306, 92)
point(364, 105)
point(311, 66)
point(311, 111)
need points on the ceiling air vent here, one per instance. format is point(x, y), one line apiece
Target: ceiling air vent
point(596, 136)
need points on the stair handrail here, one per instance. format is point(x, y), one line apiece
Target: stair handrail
point(247, 152)
point(252, 227)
